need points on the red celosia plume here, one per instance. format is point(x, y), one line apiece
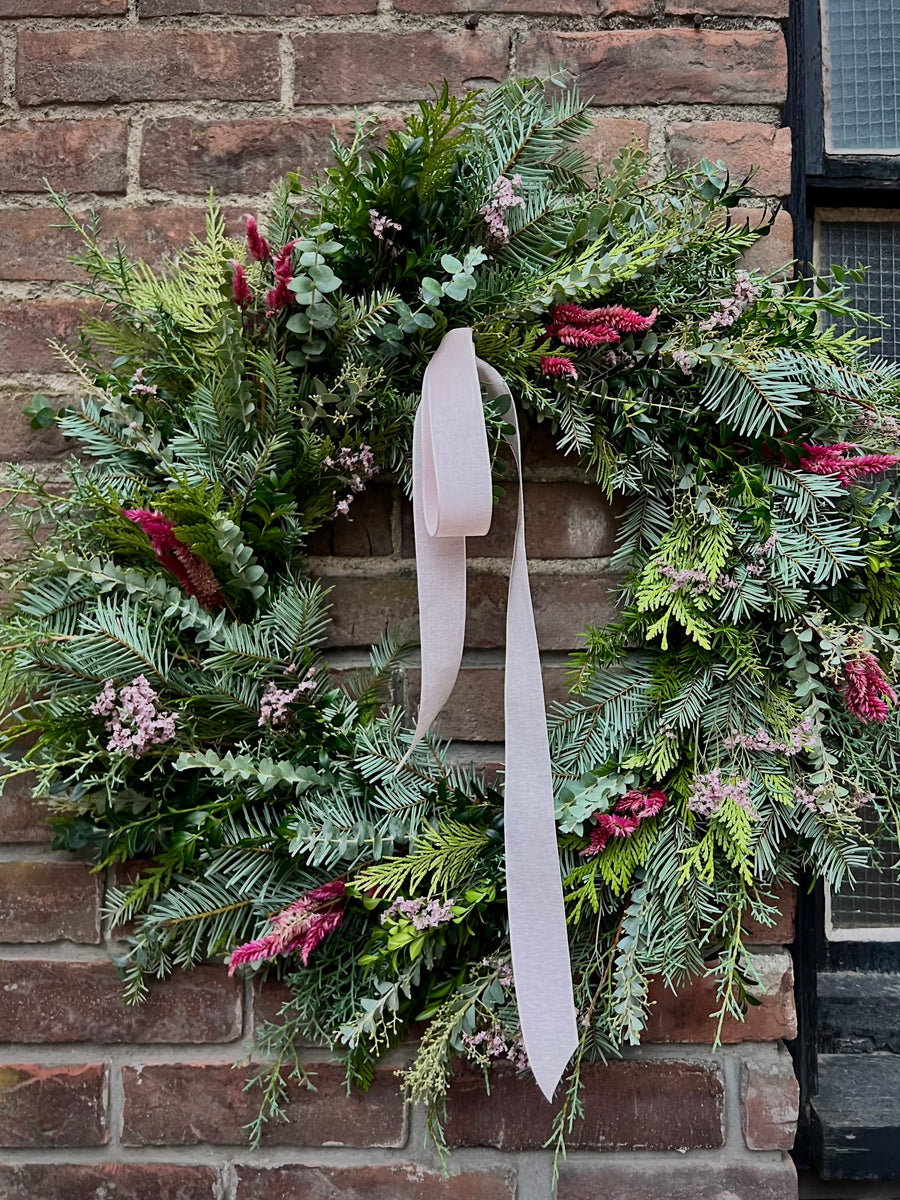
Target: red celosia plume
point(836, 459)
point(194, 575)
point(626, 815)
point(257, 246)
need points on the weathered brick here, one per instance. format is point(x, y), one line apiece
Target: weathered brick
point(21, 443)
point(742, 146)
point(665, 66)
point(782, 932)
point(366, 606)
point(773, 251)
point(257, 8)
point(87, 155)
point(62, 8)
point(27, 326)
point(22, 819)
point(365, 530)
point(97, 66)
point(474, 712)
point(53, 1106)
point(394, 1182)
point(107, 1181)
point(49, 902)
point(562, 520)
point(34, 247)
point(357, 68)
point(770, 1101)
point(685, 1016)
point(610, 134)
point(44, 1001)
point(184, 155)
point(627, 1106)
point(187, 1104)
point(775, 9)
point(603, 8)
point(678, 1181)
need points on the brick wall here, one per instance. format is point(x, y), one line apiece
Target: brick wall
point(138, 107)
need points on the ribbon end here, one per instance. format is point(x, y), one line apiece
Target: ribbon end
point(551, 1069)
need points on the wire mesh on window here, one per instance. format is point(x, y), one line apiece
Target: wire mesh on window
point(875, 244)
point(862, 76)
point(874, 901)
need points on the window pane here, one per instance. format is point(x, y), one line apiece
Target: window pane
point(875, 244)
point(874, 901)
point(861, 59)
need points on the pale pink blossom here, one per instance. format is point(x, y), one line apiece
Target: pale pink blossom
point(494, 212)
point(135, 723)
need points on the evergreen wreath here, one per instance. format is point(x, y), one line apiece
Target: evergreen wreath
point(733, 729)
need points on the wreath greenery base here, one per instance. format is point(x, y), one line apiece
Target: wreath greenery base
point(733, 730)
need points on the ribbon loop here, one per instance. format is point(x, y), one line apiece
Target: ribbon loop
point(452, 500)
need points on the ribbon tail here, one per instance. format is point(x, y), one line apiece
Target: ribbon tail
point(537, 920)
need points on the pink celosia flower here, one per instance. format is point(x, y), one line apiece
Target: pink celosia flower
point(257, 246)
point(596, 335)
point(833, 460)
point(299, 928)
point(867, 689)
point(240, 288)
point(136, 724)
point(194, 575)
point(279, 296)
point(555, 364)
point(610, 316)
point(625, 816)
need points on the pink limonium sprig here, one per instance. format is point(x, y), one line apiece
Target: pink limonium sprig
point(279, 296)
point(258, 248)
point(274, 706)
point(135, 722)
point(494, 212)
point(194, 575)
point(297, 929)
point(625, 817)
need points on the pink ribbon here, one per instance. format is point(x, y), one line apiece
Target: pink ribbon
point(452, 500)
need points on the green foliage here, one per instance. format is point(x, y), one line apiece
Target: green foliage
point(734, 727)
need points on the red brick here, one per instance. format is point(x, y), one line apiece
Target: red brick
point(365, 530)
point(742, 146)
point(699, 1180)
point(53, 1106)
point(358, 68)
point(562, 520)
point(685, 1016)
point(97, 66)
point(782, 932)
point(26, 327)
point(107, 1181)
point(34, 247)
point(366, 606)
point(776, 9)
point(21, 443)
point(22, 819)
point(773, 251)
point(62, 8)
point(610, 134)
point(627, 1106)
point(572, 8)
point(665, 66)
point(770, 1101)
point(474, 712)
point(49, 902)
point(87, 155)
point(183, 155)
point(257, 8)
point(42, 1001)
point(187, 1104)
point(394, 1182)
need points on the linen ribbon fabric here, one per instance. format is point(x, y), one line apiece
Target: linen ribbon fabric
point(452, 500)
